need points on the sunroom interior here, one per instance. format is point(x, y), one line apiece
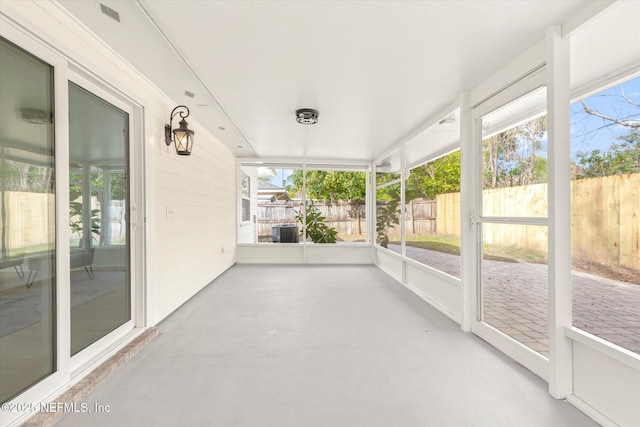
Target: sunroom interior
point(484, 156)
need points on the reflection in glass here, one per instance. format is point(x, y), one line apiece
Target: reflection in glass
point(432, 215)
point(515, 282)
point(98, 197)
point(388, 231)
point(27, 221)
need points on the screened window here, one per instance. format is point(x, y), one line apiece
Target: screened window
point(605, 202)
point(335, 208)
point(315, 204)
point(432, 214)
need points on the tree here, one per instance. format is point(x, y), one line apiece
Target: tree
point(437, 177)
point(621, 158)
point(330, 185)
point(516, 156)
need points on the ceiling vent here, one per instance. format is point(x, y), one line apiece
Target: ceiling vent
point(307, 116)
point(110, 12)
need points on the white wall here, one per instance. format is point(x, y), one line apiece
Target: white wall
point(294, 253)
point(606, 385)
point(194, 228)
point(441, 291)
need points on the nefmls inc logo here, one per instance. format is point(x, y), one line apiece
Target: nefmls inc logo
point(65, 407)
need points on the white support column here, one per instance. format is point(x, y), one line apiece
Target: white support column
point(558, 138)
point(468, 198)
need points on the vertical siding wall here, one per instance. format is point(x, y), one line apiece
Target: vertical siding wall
point(195, 218)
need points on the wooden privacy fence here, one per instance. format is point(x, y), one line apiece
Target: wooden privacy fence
point(605, 218)
point(346, 218)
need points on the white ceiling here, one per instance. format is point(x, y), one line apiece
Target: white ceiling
point(376, 70)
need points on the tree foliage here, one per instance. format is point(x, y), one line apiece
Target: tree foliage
point(623, 155)
point(437, 177)
point(330, 185)
point(621, 158)
point(516, 156)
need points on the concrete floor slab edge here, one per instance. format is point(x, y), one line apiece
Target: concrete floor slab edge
point(90, 382)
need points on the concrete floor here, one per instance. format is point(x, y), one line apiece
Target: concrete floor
point(319, 346)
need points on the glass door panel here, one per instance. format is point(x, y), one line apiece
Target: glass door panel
point(99, 200)
point(27, 221)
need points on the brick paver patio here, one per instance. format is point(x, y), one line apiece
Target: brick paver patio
point(515, 301)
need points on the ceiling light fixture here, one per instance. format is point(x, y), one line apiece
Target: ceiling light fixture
point(307, 116)
point(182, 136)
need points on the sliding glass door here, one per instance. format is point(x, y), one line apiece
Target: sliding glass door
point(98, 205)
point(27, 221)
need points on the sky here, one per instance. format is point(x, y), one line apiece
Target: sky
point(589, 132)
point(281, 177)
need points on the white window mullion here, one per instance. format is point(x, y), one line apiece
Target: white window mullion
point(559, 202)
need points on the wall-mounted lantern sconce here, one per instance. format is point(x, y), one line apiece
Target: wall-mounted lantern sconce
point(182, 136)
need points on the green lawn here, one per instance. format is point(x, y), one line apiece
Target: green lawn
point(451, 245)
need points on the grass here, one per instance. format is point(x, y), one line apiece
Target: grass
point(451, 245)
